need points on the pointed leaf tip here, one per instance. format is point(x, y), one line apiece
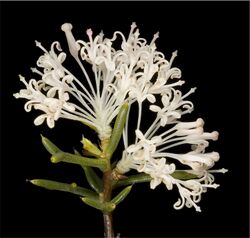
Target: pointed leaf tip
point(122, 195)
point(34, 181)
point(50, 147)
point(90, 147)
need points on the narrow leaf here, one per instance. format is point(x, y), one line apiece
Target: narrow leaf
point(122, 195)
point(90, 147)
point(138, 178)
point(183, 175)
point(80, 160)
point(64, 187)
point(104, 207)
point(117, 130)
point(93, 179)
point(142, 178)
point(50, 147)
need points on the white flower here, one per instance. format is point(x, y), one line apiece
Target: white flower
point(51, 62)
point(145, 144)
point(118, 75)
point(52, 107)
point(135, 72)
point(149, 155)
point(173, 105)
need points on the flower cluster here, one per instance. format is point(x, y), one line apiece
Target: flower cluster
point(134, 73)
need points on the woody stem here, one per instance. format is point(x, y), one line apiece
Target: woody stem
point(107, 216)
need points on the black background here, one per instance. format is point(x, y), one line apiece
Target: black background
point(212, 42)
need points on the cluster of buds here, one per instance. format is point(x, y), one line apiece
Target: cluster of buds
point(130, 75)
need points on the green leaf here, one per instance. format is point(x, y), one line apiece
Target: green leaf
point(93, 179)
point(80, 160)
point(50, 147)
point(122, 195)
point(103, 206)
point(142, 178)
point(91, 148)
point(117, 130)
point(64, 187)
point(138, 178)
point(183, 175)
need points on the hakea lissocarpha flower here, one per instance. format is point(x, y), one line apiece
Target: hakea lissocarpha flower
point(134, 73)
